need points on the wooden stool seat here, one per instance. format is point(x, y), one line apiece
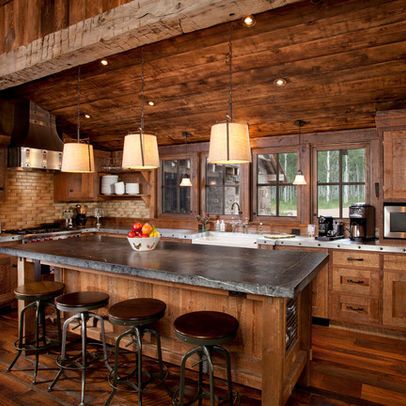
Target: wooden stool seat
point(138, 311)
point(82, 301)
point(39, 290)
point(206, 327)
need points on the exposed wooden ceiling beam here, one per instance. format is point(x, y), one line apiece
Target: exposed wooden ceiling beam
point(125, 27)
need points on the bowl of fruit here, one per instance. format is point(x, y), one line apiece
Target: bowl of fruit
point(143, 237)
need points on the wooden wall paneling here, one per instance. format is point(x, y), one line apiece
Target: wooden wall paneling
point(61, 14)
point(2, 28)
point(9, 25)
point(93, 7)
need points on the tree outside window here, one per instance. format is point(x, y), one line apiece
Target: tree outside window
point(276, 195)
point(222, 188)
point(340, 181)
point(175, 199)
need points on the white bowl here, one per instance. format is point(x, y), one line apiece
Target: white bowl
point(143, 244)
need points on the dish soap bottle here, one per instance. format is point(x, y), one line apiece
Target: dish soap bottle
point(222, 225)
point(217, 225)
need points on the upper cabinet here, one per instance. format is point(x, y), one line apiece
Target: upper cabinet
point(76, 187)
point(394, 146)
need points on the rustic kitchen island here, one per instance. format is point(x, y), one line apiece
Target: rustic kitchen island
point(269, 292)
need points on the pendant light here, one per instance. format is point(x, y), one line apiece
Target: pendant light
point(299, 178)
point(229, 141)
point(78, 157)
point(140, 150)
point(186, 182)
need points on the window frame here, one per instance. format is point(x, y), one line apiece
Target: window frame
point(194, 197)
point(340, 147)
point(244, 186)
point(254, 188)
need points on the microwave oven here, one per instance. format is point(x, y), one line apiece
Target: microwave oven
point(394, 220)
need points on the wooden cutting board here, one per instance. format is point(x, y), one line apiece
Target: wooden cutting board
point(279, 236)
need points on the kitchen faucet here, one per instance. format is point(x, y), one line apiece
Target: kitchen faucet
point(234, 224)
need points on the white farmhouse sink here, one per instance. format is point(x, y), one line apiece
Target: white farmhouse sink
point(227, 239)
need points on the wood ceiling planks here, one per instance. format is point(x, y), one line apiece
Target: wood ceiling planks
point(343, 61)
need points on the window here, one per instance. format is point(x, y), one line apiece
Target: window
point(276, 196)
point(340, 181)
point(175, 199)
point(222, 188)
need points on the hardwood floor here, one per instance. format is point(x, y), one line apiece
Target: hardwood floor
point(331, 372)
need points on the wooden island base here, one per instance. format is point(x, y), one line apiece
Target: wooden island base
point(259, 357)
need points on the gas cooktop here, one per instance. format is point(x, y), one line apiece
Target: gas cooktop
point(42, 229)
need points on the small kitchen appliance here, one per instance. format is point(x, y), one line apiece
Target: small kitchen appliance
point(362, 222)
point(330, 229)
point(394, 220)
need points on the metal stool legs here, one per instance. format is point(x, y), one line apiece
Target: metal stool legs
point(40, 320)
point(205, 355)
point(136, 334)
point(65, 363)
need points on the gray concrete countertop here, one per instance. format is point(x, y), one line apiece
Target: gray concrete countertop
point(262, 272)
point(299, 241)
point(345, 244)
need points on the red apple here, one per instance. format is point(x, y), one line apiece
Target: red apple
point(131, 234)
point(137, 226)
point(145, 235)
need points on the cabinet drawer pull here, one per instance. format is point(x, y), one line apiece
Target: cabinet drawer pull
point(355, 309)
point(355, 281)
point(354, 259)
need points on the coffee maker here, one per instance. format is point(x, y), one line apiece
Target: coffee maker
point(362, 222)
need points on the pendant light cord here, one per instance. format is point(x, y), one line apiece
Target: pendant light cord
point(142, 92)
point(78, 108)
point(230, 74)
point(142, 109)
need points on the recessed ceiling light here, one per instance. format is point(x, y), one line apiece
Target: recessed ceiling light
point(280, 82)
point(104, 62)
point(151, 103)
point(87, 115)
point(249, 21)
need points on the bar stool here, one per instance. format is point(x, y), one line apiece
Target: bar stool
point(208, 330)
point(139, 314)
point(80, 303)
point(40, 295)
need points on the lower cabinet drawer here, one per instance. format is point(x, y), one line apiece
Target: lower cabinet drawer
point(356, 259)
point(356, 281)
point(352, 308)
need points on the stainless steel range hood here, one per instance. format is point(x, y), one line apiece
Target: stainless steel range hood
point(35, 143)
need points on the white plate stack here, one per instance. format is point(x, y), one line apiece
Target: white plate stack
point(107, 184)
point(132, 188)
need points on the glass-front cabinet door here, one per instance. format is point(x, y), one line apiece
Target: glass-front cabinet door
point(176, 199)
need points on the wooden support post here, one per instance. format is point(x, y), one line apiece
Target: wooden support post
point(273, 351)
point(26, 274)
point(305, 330)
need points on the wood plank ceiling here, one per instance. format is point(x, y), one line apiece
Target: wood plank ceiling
point(343, 61)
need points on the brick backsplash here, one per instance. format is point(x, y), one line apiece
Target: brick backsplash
point(29, 202)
